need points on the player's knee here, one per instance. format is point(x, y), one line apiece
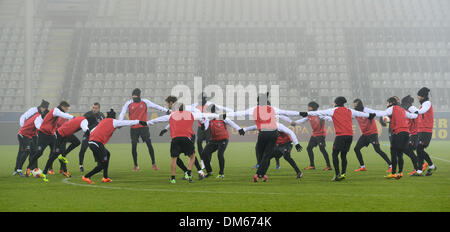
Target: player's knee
point(204, 155)
point(146, 139)
point(221, 156)
point(377, 149)
point(287, 157)
point(357, 148)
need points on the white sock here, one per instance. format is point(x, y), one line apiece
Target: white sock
point(431, 167)
point(202, 164)
point(419, 171)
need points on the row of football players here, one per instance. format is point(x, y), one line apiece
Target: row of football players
point(274, 139)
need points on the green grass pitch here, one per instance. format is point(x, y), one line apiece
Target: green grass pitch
point(149, 190)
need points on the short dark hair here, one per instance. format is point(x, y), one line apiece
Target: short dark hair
point(314, 105)
point(340, 101)
point(44, 104)
point(97, 104)
point(423, 92)
point(90, 117)
point(407, 102)
point(393, 101)
point(136, 92)
point(171, 99)
point(359, 104)
point(64, 104)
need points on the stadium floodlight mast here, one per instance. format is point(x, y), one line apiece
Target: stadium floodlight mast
point(234, 93)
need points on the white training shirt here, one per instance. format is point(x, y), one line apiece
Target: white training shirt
point(25, 116)
point(281, 128)
point(147, 102)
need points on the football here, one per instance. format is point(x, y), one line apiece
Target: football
point(36, 172)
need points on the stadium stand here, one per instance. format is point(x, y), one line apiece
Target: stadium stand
point(315, 50)
point(12, 62)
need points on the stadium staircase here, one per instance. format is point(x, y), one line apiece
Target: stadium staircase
point(52, 79)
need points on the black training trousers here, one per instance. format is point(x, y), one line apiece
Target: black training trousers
point(341, 146)
point(83, 148)
point(424, 142)
point(399, 145)
point(202, 135)
point(25, 150)
point(144, 134)
point(285, 151)
point(211, 147)
point(43, 141)
point(315, 141)
point(365, 141)
point(102, 156)
point(265, 145)
point(61, 143)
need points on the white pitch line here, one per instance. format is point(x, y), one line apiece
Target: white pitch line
point(448, 161)
point(66, 181)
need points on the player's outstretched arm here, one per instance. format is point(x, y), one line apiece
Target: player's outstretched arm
point(250, 128)
point(285, 118)
point(387, 112)
point(155, 106)
point(164, 118)
point(288, 131)
point(124, 110)
point(300, 121)
point(411, 115)
point(219, 107)
point(413, 109)
point(243, 113)
point(232, 124)
point(328, 112)
point(356, 113)
point(199, 116)
point(293, 136)
point(58, 113)
point(426, 106)
point(122, 123)
point(286, 112)
point(326, 118)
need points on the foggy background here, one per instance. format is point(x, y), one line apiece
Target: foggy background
point(86, 51)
